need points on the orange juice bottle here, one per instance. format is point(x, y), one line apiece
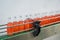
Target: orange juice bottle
point(37, 19)
point(15, 25)
point(50, 19)
point(44, 20)
point(31, 21)
point(28, 25)
point(21, 25)
point(57, 17)
point(10, 28)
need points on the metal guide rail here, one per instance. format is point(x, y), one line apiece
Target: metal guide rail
point(14, 28)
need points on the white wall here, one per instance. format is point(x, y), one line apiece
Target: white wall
point(15, 8)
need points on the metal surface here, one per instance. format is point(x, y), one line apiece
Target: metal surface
point(55, 37)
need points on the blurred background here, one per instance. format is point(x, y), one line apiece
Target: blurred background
point(15, 10)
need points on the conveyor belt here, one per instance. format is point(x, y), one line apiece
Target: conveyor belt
point(26, 32)
point(27, 25)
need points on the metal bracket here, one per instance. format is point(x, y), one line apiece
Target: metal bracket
point(37, 28)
